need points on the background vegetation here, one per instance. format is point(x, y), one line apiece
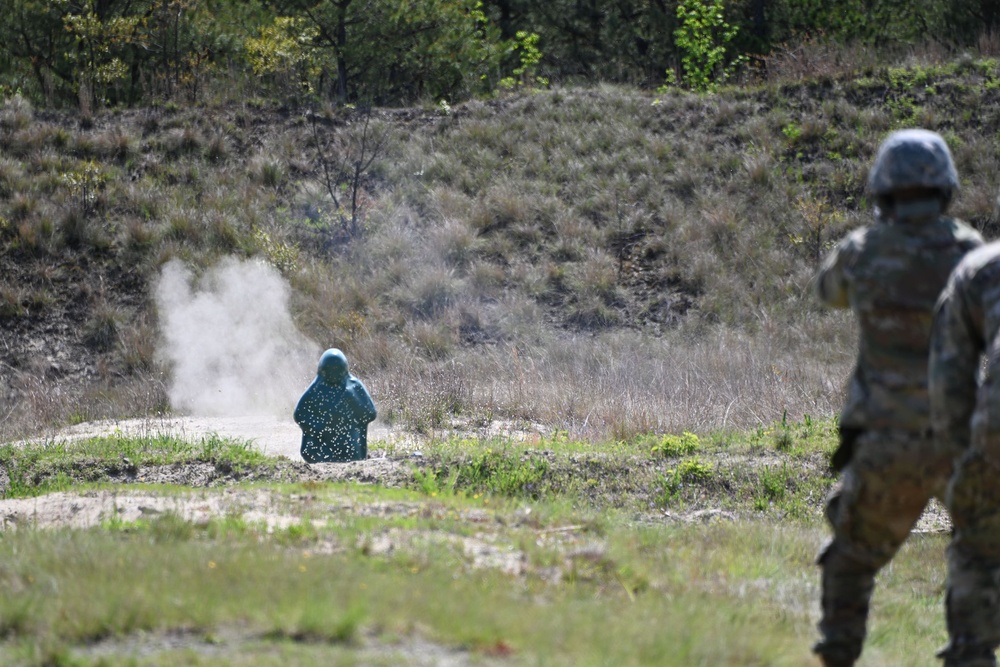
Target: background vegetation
point(602, 260)
point(96, 53)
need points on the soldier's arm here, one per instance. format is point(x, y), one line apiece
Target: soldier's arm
point(956, 348)
point(831, 283)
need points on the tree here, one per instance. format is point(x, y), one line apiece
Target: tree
point(395, 51)
point(100, 39)
point(702, 39)
point(32, 33)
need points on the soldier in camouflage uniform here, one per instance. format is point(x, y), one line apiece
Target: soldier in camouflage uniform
point(965, 412)
point(890, 274)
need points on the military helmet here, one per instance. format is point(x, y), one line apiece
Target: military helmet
point(333, 367)
point(913, 159)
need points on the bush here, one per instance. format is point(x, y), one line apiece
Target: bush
point(669, 446)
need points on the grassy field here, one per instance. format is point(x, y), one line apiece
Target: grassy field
point(680, 550)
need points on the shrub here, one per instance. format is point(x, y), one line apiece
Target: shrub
point(669, 445)
point(16, 113)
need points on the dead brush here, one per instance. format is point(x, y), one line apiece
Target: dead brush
point(101, 331)
point(820, 59)
point(116, 144)
point(34, 406)
point(16, 113)
point(23, 205)
point(218, 148)
point(12, 176)
point(137, 337)
point(12, 302)
point(434, 341)
point(182, 141)
point(267, 171)
point(431, 290)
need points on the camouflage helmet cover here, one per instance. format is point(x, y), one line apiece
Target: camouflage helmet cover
point(913, 159)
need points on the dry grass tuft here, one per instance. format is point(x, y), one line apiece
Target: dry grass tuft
point(16, 113)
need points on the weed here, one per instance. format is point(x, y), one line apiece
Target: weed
point(693, 471)
point(267, 172)
point(674, 445)
point(526, 45)
point(771, 486)
point(84, 184)
point(101, 331)
point(503, 473)
point(284, 256)
point(16, 113)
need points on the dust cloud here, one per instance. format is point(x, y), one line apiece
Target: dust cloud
point(230, 342)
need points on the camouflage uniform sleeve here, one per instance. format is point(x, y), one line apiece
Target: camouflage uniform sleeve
point(831, 281)
point(956, 346)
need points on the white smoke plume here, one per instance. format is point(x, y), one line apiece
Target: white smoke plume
point(230, 341)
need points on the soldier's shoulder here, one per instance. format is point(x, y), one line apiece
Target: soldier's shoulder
point(983, 257)
point(978, 270)
point(963, 232)
point(857, 239)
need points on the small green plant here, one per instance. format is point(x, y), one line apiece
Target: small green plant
point(783, 440)
point(817, 218)
point(525, 75)
point(688, 471)
point(504, 474)
point(793, 131)
point(84, 183)
point(702, 39)
point(431, 483)
point(284, 256)
point(695, 470)
point(301, 533)
point(668, 488)
point(772, 484)
point(670, 445)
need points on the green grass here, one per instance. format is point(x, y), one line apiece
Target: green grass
point(754, 472)
point(36, 468)
point(723, 593)
point(749, 473)
point(500, 550)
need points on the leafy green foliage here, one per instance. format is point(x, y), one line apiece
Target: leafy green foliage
point(284, 52)
point(490, 472)
point(387, 51)
point(693, 471)
point(97, 49)
point(92, 53)
point(525, 74)
point(84, 183)
point(669, 445)
point(702, 39)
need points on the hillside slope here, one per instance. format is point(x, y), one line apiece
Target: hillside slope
point(605, 261)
